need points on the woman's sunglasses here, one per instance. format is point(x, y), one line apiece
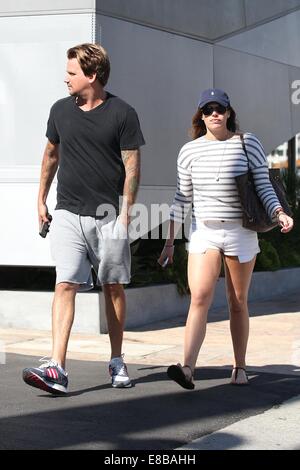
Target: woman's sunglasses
point(209, 109)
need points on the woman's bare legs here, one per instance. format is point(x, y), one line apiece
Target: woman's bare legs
point(203, 273)
point(238, 278)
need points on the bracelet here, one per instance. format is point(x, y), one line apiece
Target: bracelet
point(169, 246)
point(278, 210)
point(279, 213)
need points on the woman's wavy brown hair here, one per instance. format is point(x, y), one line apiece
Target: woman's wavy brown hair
point(92, 58)
point(199, 128)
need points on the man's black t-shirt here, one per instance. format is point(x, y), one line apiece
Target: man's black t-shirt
point(91, 170)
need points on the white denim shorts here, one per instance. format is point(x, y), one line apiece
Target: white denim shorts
point(80, 243)
point(229, 237)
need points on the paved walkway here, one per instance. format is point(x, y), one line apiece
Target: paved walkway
point(274, 343)
point(273, 358)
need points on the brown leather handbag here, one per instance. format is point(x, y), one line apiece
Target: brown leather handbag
point(255, 216)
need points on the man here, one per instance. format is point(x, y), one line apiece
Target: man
point(93, 141)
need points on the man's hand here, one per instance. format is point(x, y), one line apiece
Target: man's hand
point(43, 213)
point(124, 219)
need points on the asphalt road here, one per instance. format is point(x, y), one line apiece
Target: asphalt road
point(155, 414)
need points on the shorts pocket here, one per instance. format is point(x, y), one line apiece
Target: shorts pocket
point(113, 230)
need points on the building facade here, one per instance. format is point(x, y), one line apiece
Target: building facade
point(163, 53)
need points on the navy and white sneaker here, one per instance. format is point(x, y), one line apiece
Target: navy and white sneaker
point(49, 377)
point(118, 371)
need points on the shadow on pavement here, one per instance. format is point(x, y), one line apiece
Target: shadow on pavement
point(155, 414)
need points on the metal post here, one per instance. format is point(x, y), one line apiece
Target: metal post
point(291, 180)
point(292, 155)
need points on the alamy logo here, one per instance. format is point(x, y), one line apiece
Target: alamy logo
point(145, 221)
point(296, 94)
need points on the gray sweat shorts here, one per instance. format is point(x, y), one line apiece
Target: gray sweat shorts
point(80, 243)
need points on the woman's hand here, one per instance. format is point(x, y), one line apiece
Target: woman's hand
point(285, 221)
point(166, 256)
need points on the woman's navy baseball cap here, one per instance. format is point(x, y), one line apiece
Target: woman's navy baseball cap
point(214, 95)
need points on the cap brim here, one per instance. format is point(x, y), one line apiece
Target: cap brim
point(223, 103)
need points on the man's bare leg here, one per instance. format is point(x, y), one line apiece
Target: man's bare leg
point(115, 303)
point(63, 310)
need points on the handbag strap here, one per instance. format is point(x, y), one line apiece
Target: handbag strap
point(245, 149)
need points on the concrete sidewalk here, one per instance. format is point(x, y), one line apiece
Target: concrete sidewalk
point(274, 343)
point(274, 349)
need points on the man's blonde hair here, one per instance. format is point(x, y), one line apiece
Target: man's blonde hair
point(92, 58)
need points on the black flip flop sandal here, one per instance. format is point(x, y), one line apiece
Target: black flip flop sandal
point(176, 373)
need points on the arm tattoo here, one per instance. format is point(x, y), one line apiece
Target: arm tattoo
point(133, 184)
point(125, 156)
point(48, 170)
point(51, 151)
point(131, 160)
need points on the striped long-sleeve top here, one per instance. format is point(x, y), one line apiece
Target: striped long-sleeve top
point(205, 178)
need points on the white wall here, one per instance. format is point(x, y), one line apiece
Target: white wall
point(33, 57)
point(25, 7)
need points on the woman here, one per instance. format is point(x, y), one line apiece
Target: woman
point(206, 169)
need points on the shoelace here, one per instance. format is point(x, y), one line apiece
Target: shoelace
point(47, 362)
point(119, 368)
point(50, 363)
